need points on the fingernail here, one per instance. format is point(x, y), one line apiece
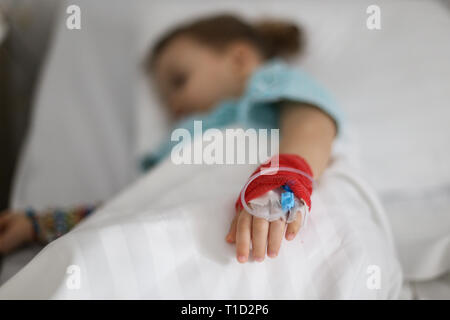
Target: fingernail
point(242, 258)
point(290, 235)
point(272, 254)
point(259, 259)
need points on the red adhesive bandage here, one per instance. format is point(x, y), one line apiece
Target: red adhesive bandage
point(292, 170)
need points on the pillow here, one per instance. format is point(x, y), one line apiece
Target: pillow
point(81, 141)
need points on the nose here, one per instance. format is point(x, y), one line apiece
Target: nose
point(177, 108)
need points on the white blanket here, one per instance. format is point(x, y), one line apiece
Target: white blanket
point(164, 238)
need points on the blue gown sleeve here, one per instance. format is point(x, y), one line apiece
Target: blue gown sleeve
point(277, 81)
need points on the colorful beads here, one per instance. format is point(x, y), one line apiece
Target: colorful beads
point(53, 223)
point(31, 214)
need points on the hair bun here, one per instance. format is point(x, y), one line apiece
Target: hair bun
point(280, 38)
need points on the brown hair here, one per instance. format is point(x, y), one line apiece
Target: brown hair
point(272, 38)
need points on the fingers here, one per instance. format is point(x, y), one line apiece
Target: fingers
point(3, 224)
point(4, 221)
point(231, 235)
point(264, 236)
point(8, 240)
point(4, 217)
point(260, 229)
point(243, 235)
point(6, 243)
point(276, 230)
point(293, 227)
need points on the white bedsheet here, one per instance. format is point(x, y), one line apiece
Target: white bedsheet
point(164, 238)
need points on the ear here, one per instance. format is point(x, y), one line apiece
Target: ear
point(243, 58)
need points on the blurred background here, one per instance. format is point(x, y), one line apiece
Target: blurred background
point(25, 31)
point(74, 115)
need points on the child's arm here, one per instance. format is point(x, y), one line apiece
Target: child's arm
point(308, 132)
point(19, 228)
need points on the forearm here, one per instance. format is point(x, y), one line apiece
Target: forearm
point(308, 132)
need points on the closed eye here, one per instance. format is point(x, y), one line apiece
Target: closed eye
point(178, 81)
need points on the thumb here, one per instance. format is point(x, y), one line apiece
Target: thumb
point(231, 235)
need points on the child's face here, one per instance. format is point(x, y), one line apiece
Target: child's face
point(192, 77)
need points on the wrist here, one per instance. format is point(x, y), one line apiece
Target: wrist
point(33, 229)
point(289, 170)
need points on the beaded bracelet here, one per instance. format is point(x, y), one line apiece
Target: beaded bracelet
point(53, 223)
point(31, 214)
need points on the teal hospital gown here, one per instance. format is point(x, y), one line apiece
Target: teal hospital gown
point(271, 83)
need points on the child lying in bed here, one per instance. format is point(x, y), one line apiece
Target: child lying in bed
point(223, 70)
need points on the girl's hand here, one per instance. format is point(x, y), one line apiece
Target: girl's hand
point(308, 132)
point(246, 228)
point(15, 230)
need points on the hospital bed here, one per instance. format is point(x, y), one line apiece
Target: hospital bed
point(393, 83)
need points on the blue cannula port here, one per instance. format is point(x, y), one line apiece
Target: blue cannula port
point(287, 199)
